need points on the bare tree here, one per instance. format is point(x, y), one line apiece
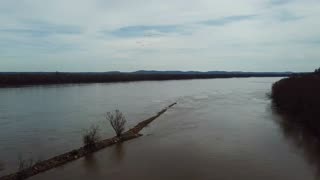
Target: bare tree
point(24, 163)
point(117, 121)
point(91, 136)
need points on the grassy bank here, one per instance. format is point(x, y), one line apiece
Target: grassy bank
point(299, 97)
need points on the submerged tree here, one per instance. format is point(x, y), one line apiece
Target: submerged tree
point(117, 121)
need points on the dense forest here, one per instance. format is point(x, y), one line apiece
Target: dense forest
point(18, 79)
point(299, 97)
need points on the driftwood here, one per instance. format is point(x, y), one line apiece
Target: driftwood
point(83, 151)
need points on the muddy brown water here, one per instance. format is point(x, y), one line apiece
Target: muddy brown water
point(220, 129)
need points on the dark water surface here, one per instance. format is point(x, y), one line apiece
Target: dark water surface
point(220, 129)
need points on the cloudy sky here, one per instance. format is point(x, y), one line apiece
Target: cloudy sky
point(129, 35)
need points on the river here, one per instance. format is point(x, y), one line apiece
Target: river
point(220, 129)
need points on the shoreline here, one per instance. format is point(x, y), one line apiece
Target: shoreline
point(297, 100)
point(34, 79)
point(82, 151)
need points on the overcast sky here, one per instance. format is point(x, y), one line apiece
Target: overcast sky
point(129, 35)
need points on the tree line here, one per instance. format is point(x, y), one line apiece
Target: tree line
point(299, 97)
point(16, 79)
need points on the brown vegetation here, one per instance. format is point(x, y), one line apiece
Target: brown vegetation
point(299, 97)
point(90, 136)
point(117, 121)
point(23, 165)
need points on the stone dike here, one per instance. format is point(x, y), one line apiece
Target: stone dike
point(82, 151)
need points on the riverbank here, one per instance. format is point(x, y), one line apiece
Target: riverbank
point(47, 78)
point(298, 98)
point(81, 152)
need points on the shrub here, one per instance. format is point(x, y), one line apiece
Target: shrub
point(91, 136)
point(117, 121)
point(24, 163)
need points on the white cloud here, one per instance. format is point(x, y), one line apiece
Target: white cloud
point(280, 36)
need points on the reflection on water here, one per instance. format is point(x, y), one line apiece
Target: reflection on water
point(119, 151)
point(90, 162)
point(303, 139)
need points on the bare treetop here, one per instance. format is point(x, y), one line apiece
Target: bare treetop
point(117, 121)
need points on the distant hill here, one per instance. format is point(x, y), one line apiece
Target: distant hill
point(209, 72)
point(39, 78)
point(157, 72)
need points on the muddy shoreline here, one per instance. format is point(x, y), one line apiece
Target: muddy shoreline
point(82, 151)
